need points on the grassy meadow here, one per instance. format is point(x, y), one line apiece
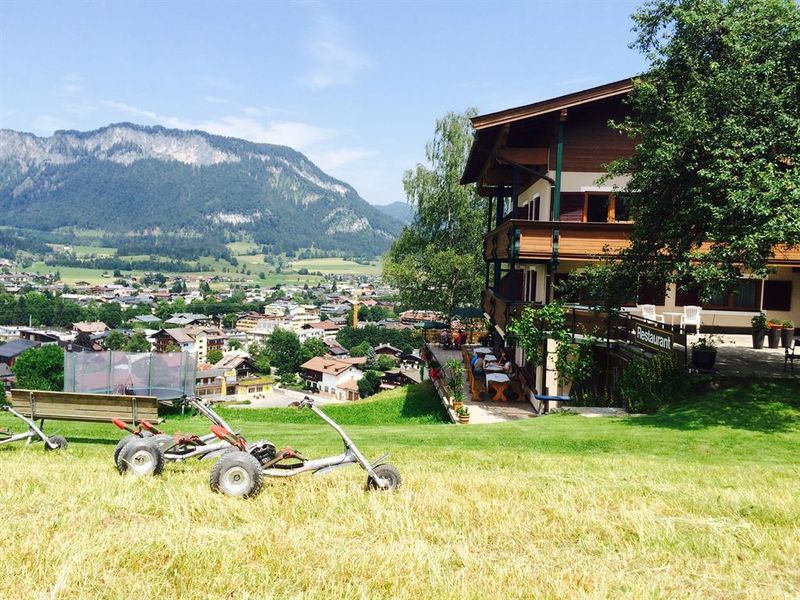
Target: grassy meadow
point(241, 250)
point(698, 501)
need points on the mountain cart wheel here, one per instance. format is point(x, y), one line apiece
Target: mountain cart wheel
point(237, 474)
point(59, 440)
point(389, 473)
point(163, 440)
point(141, 457)
point(124, 441)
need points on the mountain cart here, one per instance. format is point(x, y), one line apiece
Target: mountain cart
point(241, 473)
point(53, 442)
point(146, 449)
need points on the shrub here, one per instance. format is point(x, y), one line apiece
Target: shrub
point(647, 384)
point(369, 384)
point(40, 368)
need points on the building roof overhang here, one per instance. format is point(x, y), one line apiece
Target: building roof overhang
point(492, 130)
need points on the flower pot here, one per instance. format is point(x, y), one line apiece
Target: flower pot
point(704, 359)
point(787, 337)
point(463, 419)
point(758, 338)
point(457, 405)
point(774, 337)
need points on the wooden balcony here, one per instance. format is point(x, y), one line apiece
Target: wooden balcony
point(519, 239)
point(500, 309)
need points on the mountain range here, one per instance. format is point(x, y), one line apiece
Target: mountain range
point(130, 181)
point(398, 210)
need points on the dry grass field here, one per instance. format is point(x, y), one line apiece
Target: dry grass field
point(701, 501)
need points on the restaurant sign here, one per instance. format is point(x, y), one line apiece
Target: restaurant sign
point(652, 338)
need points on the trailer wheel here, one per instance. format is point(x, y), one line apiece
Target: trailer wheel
point(237, 474)
point(389, 473)
point(59, 440)
point(163, 440)
point(141, 457)
point(128, 438)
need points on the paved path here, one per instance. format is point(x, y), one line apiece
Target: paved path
point(278, 398)
point(736, 357)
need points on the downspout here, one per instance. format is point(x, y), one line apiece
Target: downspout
point(557, 189)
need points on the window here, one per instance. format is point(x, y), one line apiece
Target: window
point(777, 295)
point(745, 295)
point(651, 294)
point(622, 208)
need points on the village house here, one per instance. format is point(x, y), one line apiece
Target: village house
point(332, 377)
point(10, 351)
point(198, 339)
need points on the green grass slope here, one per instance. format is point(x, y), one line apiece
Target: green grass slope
point(698, 501)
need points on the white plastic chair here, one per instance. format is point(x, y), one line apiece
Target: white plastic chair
point(649, 313)
point(691, 316)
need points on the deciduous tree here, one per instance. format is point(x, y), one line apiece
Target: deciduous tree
point(40, 368)
point(436, 261)
point(716, 119)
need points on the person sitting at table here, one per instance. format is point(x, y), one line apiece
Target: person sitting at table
point(444, 338)
point(478, 366)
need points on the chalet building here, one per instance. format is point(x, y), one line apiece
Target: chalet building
point(333, 377)
point(548, 213)
point(197, 339)
point(239, 366)
point(89, 333)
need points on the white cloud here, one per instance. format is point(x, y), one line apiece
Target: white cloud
point(333, 60)
point(288, 133)
point(215, 100)
point(71, 88)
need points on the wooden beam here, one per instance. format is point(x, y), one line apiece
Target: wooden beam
point(524, 156)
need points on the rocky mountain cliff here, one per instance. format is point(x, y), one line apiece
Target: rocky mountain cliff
point(129, 180)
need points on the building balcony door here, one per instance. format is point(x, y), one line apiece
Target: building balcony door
point(597, 206)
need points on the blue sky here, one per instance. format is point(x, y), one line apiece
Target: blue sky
point(356, 86)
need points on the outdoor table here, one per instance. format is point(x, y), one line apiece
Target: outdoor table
point(493, 369)
point(483, 351)
point(490, 358)
point(500, 381)
point(672, 316)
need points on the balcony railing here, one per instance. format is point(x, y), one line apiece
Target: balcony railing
point(520, 239)
point(499, 308)
point(517, 239)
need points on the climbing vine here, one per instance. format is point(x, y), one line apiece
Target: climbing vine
point(536, 325)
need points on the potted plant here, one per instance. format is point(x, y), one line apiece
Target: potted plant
point(455, 378)
point(759, 323)
point(463, 415)
point(787, 334)
point(704, 353)
point(457, 399)
point(774, 333)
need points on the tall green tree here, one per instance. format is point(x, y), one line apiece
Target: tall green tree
point(436, 261)
point(40, 368)
point(717, 124)
point(284, 350)
point(115, 340)
point(312, 347)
